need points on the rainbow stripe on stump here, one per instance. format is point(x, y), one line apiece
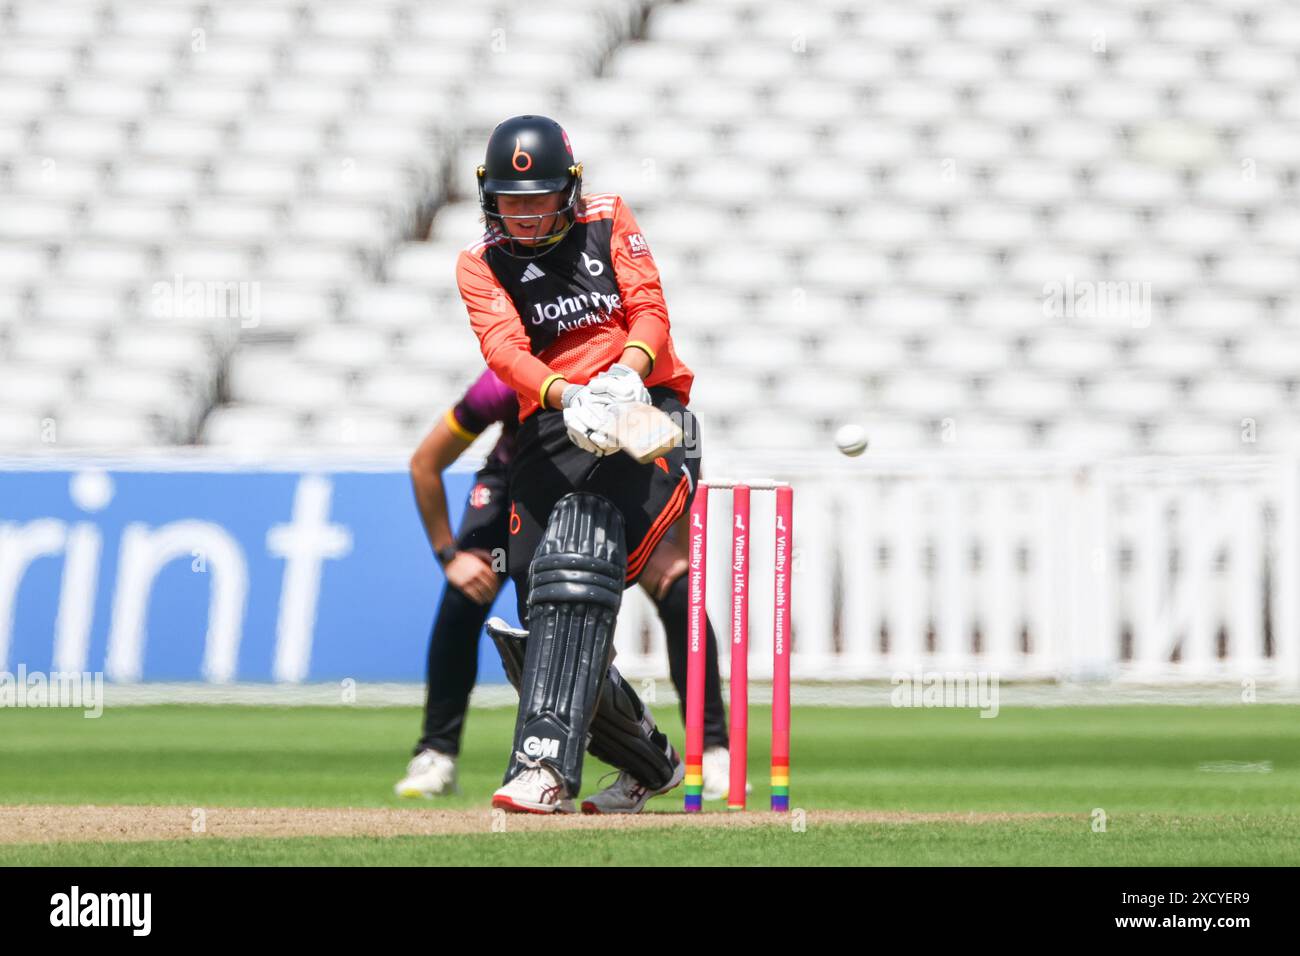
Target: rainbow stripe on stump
point(694, 784)
point(781, 785)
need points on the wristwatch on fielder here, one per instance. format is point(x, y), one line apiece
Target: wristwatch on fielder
point(445, 554)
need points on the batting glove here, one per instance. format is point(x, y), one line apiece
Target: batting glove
point(588, 420)
point(620, 384)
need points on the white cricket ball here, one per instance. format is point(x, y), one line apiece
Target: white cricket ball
point(851, 440)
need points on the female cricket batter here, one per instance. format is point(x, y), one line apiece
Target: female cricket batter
point(565, 299)
point(470, 560)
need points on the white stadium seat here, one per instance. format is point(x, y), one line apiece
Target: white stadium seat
point(973, 141)
point(1224, 395)
point(1069, 352)
point(951, 267)
point(1199, 228)
point(1236, 313)
point(1165, 269)
point(972, 433)
point(994, 224)
point(19, 430)
point(131, 57)
point(277, 379)
point(1032, 182)
point(36, 175)
point(180, 138)
point(1071, 140)
point(1088, 225)
point(1255, 66)
point(108, 96)
point(216, 261)
point(925, 395)
point(850, 350)
point(36, 219)
point(168, 347)
point(357, 428)
point(968, 352)
point(101, 427)
point(35, 59)
point(1151, 65)
point(1243, 185)
point(33, 388)
point(130, 220)
point(1088, 437)
point(1272, 353)
point(1135, 184)
point(1135, 396)
point(1183, 435)
point(1014, 102)
point(344, 347)
point(853, 61)
point(89, 306)
point(232, 220)
point(1268, 272)
point(404, 391)
point(153, 391)
point(21, 264)
point(312, 263)
point(108, 263)
point(1175, 354)
point(354, 21)
point(692, 23)
point(811, 100)
point(354, 224)
point(1056, 63)
point(252, 429)
point(1114, 102)
point(1215, 105)
point(163, 180)
point(1029, 396)
point(1194, 28)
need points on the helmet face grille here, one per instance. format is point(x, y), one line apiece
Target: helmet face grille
point(529, 156)
point(533, 247)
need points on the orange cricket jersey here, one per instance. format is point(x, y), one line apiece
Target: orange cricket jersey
point(571, 312)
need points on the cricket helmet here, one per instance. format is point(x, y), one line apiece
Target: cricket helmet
point(528, 156)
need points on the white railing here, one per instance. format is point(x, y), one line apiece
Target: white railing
point(1030, 567)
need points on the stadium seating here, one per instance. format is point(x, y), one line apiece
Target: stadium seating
point(235, 223)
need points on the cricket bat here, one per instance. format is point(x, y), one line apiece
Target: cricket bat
point(645, 432)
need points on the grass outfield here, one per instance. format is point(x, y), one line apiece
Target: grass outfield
point(1179, 786)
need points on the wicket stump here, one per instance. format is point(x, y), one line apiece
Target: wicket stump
point(697, 634)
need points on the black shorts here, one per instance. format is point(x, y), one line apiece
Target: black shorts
point(483, 524)
point(547, 466)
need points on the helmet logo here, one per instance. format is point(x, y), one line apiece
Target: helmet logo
point(519, 154)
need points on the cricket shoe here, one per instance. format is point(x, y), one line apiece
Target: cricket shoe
point(429, 774)
point(717, 774)
point(627, 795)
point(535, 789)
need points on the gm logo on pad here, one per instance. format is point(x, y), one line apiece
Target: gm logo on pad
point(542, 747)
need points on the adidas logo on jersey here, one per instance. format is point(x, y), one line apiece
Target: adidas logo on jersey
point(532, 272)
